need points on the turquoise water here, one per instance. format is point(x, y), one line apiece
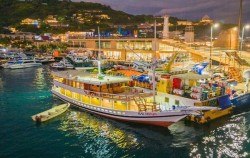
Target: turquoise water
point(25, 92)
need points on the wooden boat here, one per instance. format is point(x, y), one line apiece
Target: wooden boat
point(51, 113)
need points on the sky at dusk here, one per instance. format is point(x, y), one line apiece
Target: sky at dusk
point(219, 10)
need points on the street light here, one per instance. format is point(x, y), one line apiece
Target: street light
point(242, 35)
point(211, 40)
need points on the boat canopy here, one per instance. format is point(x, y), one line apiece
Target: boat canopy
point(191, 76)
point(89, 78)
point(94, 80)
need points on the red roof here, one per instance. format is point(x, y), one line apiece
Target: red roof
point(45, 38)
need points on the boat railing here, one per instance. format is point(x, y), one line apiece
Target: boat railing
point(118, 96)
point(124, 97)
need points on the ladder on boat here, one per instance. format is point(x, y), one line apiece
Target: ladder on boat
point(144, 106)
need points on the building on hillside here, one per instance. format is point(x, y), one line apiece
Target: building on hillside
point(103, 16)
point(42, 38)
point(79, 18)
point(79, 35)
point(19, 36)
point(93, 11)
point(53, 22)
point(59, 37)
point(29, 21)
point(145, 26)
point(205, 20)
point(184, 22)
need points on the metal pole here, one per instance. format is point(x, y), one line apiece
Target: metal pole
point(239, 22)
point(242, 36)
point(210, 55)
point(154, 64)
point(99, 51)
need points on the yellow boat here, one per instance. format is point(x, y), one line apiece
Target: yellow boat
point(51, 113)
point(210, 115)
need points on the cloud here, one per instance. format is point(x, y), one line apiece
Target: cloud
point(226, 10)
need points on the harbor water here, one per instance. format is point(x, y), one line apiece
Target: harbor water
point(25, 92)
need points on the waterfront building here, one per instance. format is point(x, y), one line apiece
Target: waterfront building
point(124, 48)
point(189, 34)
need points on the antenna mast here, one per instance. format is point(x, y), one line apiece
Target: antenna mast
point(99, 54)
point(154, 63)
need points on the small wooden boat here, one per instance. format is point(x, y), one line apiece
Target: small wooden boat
point(51, 113)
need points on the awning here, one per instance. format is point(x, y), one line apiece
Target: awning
point(191, 76)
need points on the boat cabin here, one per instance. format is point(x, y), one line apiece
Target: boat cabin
point(109, 91)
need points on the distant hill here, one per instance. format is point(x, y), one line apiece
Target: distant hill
point(78, 16)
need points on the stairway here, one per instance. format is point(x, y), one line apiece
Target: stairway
point(140, 102)
point(240, 60)
point(144, 106)
point(233, 73)
point(237, 58)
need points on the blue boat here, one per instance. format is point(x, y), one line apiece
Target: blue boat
point(241, 101)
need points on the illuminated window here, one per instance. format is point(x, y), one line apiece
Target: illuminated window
point(166, 99)
point(177, 102)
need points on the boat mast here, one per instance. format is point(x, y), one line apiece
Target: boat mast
point(239, 25)
point(154, 63)
point(99, 53)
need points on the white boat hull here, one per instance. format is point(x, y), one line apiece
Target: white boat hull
point(20, 66)
point(164, 118)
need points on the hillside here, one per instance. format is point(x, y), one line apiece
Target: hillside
point(77, 16)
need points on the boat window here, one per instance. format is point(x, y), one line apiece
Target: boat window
point(166, 99)
point(28, 62)
point(177, 102)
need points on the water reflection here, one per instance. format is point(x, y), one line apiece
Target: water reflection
point(100, 137)
point(227, 140)
point(40, 81)
point(1, 83)
point(97, 136)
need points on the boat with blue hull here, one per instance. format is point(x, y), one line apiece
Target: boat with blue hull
point(242, 101)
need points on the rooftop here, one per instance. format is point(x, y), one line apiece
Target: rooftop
point(90, 78)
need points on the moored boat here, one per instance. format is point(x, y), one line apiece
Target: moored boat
point(51, 113)
point(21, 63)
point(114, 97)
